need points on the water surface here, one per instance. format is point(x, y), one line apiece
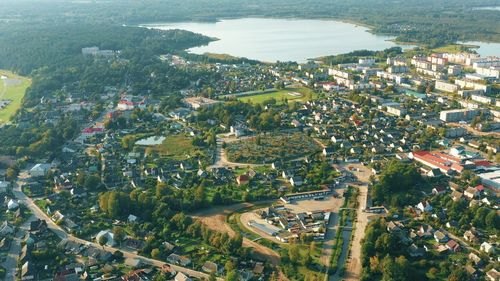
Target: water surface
point(485, 49)
point(273, 40)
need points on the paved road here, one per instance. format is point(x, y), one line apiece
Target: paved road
point(353, 260)
point(61, 233)
point(10, 262)
point(474, 131)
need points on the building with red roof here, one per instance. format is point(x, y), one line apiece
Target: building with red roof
point(437, 160)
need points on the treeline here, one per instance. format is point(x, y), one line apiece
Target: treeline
point(152, 202)
point(353, 56)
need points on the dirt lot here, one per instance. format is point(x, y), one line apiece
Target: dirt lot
point(246, 217)
point(215, 219)
point(329, 204)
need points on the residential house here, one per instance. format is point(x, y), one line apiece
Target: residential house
point(471, 236)
point(493, 275)
point(425, 231)
point(108, 235)
point(453, 246)
point(182, 277)
point(473, 273)
point(296, 181)
point(424, 206)
point(210, 267)
point(438, 190)
point(12, 204)
point(475, 259)
point(456, 196)
point(440, 236)
point(328, 151)
point(6, 229)
point(39, 170)
point(242, 179)
point(176, 259)
point(416, 251)
point(471, 192)
point(487, 248)
point(28, 271)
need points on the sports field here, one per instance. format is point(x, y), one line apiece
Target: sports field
point(290, 94)
point(12, 90)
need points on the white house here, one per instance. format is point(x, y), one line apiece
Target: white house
point(424, 206)
point(12, 204)
point(296, 181)
point(328, 151)
point(487, 248)
point(110, 241)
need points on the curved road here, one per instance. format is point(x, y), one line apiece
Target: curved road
point(66, 236)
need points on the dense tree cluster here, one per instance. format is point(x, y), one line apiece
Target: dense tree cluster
point(398, 185)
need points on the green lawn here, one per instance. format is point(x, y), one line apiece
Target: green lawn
point(15, 93)
point(291, 94)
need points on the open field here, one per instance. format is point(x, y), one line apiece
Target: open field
point(452, 48)
point(175, 146)
point(272, 147)
point(290, 94)
point(12, 89)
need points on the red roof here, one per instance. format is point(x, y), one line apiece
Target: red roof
point(439, 160)
point(126, 102)
point(482, 163)
point(479, 187)
point(92, 130)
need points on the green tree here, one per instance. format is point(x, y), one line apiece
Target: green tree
point(458, 274)
point(155, 253)
point(103, 240)
point(118, 234)
point(294, 254)
point(492, 220)
point(232, 276)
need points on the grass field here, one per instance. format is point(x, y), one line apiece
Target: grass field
point(291, 94)
point(452, 48)
point(175, 146)
point(15, 93)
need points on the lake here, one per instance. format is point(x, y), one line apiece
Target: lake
point(485, 49)
point(154, 140)
point(272, 40)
